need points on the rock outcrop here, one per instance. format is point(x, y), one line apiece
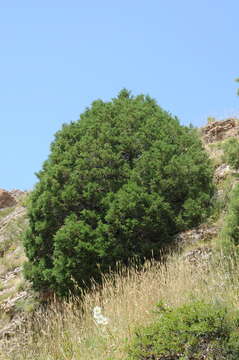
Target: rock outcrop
point(219, 130)
point(203, 233)
point(6, 199)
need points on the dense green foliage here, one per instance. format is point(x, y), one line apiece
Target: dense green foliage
point(230, 232)
point(194, 331)
point(231, 152)
point(119, 183)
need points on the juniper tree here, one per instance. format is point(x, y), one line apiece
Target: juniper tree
point(119, 183)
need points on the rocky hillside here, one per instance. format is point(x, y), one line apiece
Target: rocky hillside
point(17, 299)
point(15, 294)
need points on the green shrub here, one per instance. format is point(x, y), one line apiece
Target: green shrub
point(194, 331)
point(119, 183)
point(211, 119)
point(231, 152)
point(230, 231)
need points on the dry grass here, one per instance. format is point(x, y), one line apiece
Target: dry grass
point(6, 211)
point(12, 260)
point(67, 331)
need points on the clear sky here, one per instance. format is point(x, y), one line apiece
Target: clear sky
point(57, 56)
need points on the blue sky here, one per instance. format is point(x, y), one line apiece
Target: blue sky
point(59, 56)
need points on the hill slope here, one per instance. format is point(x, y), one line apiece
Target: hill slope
point(15, 294)
point(129, 296)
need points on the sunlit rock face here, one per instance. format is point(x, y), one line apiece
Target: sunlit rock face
point(6, 199)
point(219, 130)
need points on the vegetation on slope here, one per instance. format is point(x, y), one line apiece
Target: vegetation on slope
point(197, 330)
point(231, 153)
point(119, 183)
point(15, 295)
point(128, 298)
point(68, 330)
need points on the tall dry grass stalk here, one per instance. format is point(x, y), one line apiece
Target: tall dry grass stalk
point(68, 332)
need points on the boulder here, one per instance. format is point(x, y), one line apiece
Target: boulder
point(6, 199)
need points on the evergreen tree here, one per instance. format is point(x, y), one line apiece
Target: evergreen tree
point(118, 183)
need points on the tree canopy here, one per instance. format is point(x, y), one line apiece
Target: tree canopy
point(119, 183)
